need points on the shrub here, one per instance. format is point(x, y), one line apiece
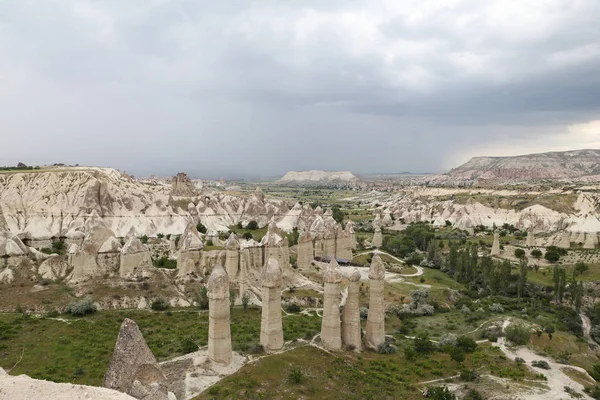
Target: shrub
point(540, 364)
point(296, 376)
point(293, 308)
point(387, 348)
point(209, 243)
point(465, 310)
point(440, 393)
point(457, 354)
point(519, 253)
point(247, 235)
point(188, 345)
point(536, 253)
point(519, 334)
point(496, 308)
point(159, 304)
point(164, 262)
point(202, 298)
point(469, 375)
point(473, 395)
point(144, 239)
point(364, 312)
point(200, 227)
point(422, 344)
point(448, 339)
point(81, 307)
point(245, 300)
point(519, 360)
point(467, 344)
point(252, 225)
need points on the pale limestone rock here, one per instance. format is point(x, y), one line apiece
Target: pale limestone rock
point(55, 267)
point(271, 328)
point(530, 242)
point(190, 255)
point(135, 259)
point(329, 243)
point(182, 186)
point(591, 240)
point(377, 237)
point(219, 330)
point(349, 230)
point(580, 238)
point(496, 245)
point(331, 330)
point(343, 244)
point(351, 314)
point(133, 368)
point(232, 262)
point(565, 240)
point(376, 319)
point(305, 251)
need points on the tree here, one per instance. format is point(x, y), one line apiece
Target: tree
point(523, 269)
point(338, 214)
point(519, 253)
point(252, 225)
point(518, 334)
point(247, 235)
point(580, 268)
point(200, 228)
point(577, 294)
point(536, 253)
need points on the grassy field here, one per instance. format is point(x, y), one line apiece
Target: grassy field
point(308, 372)
point(78, 350)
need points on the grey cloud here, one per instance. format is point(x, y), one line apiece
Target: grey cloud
point(260, 87)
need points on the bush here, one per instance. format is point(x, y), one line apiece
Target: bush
point(457, 354)
point(422, 344)
point(252, 225)
point(159, 304)
point(439, 393)
point(189, 345)
point(519, 253)
point(519, 360)
point(465, 310)
point(293, 308)
point(473, 395)
point(467, 344)
point(165, 262)
point(448, 339)
point(200, 227)
point(247, 235)
point(496, 308)
point(81, 307)
point(519, 334)
point(296, 376)
point(469, 376)
point(540, 364)
point(144, 239)
point(387, 348)
point(202, 298)
point(536, 253)
point(364, 312)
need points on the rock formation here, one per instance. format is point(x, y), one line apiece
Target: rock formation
point(351, 315)
point(190, 251)
point(135, 259)
point(376, 319)
point(331, 332)
point(271, 328)
point(182, 186)
point(591, 240)
point(496, 245)
point(232, 261)
point(219, 331)
point(305, 251)
point(329, 245)
point(55, 267)
point(343, 244)
point(530, 241)
point(565, 240)
point(377, 237)
point(85, 260)
point(133, 368)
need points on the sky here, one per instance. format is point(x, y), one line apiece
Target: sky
point(256, 88)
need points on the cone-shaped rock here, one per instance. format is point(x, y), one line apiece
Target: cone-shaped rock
point(271, 328)
point(331, 330)
point(133, 367)
point(565, 240)
point(376, 318)
point(351, 314)
point(219, 331)
point(530, 241)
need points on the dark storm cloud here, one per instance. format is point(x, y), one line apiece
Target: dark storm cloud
point(242, 88)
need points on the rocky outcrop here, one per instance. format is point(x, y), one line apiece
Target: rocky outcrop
point(55, 267)
point(351, 335)
point(496, 245)
point(378, 237)
point(232, 262)
point(376, 319)
point(530, 240)
point(305, 251)
point(219, 331)
point(23, 387)
point(133, 368)
point(135, 259)
point(182, 186)
point(271, 328)
point(565, 240)
point(331, 334)
point(315, 176)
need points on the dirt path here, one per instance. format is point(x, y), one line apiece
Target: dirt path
point(557, 379)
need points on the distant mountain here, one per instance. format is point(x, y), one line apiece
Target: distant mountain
point(315, 176)
point(553, 165)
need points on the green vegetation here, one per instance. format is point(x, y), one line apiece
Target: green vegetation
point(165, 262)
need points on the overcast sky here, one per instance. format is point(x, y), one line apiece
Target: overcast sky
point(257, 88)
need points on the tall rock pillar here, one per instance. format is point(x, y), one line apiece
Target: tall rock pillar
point(530, 240)
point(496, 245)
point(305, 250)
point(331, 329)
point(271, 328)
point(232, 261)
point(219, 332)
point(376, 318)
point(351, 314)
point(378, 237)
